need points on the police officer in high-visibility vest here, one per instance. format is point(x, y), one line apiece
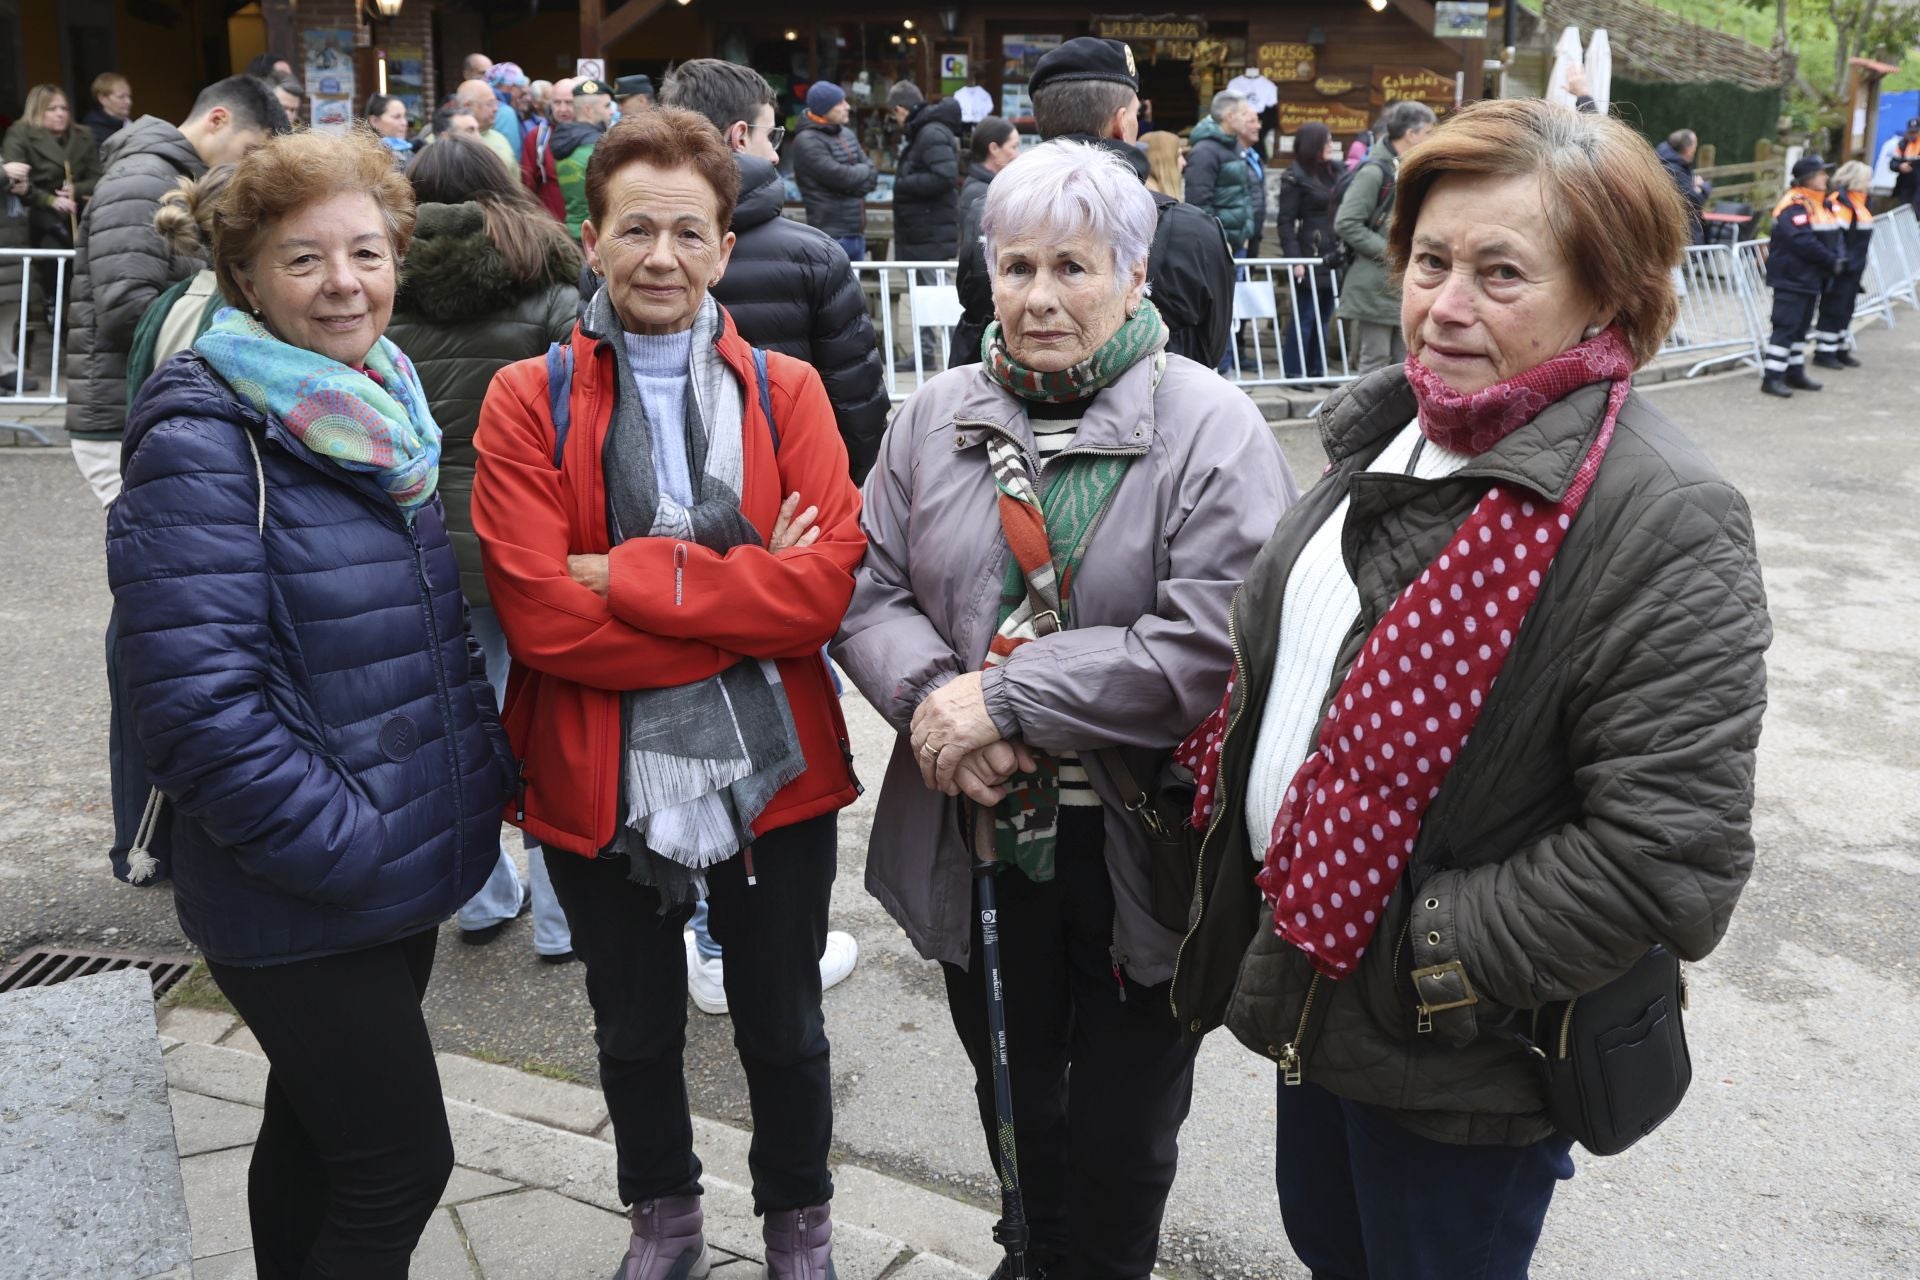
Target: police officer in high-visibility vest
point(1833, 330)
point(1804, 255)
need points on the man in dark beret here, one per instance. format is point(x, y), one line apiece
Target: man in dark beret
point(1088, 90)
point(633, 93)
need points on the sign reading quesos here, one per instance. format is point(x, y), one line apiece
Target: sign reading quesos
point(1286, 63)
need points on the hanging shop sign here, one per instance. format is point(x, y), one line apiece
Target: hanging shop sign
point(1411, 84)
point(1138, 27)
point(1332, 86)
point(1286, 63)
point(1337, 116)
point(329, 78)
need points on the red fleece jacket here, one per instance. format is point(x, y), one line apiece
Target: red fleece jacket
point(675, 611)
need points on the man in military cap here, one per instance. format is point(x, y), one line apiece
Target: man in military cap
point(633, 93)
point(1088, 90)
point(573, 143)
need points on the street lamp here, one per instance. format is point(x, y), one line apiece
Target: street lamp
point(949, 15)
point(1378, 6)
point(388, 8)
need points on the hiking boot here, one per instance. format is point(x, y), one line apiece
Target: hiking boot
point(1797, 379)
point(1850, 360)
point(1828, 360)
point(799, 1244)
point(1775, 384)
point(667, 1242)
point(1035, 1270)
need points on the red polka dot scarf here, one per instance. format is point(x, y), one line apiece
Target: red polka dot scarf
point(1406, 708)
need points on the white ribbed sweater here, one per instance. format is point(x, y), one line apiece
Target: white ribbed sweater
point(1316, 612)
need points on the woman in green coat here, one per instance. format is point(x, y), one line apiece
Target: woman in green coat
point(62, 161)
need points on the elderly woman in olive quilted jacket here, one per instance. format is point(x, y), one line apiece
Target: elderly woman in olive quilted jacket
point(1498, 685)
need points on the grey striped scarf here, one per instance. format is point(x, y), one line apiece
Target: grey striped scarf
point(704, 759)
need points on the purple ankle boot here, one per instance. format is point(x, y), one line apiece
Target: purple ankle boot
point(667, 1242)
point(799, 1244)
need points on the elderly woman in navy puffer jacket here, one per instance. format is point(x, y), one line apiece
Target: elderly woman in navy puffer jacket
point(306, 696)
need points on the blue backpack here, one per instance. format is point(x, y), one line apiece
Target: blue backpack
point(560, 389)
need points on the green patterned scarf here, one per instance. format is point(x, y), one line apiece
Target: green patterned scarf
point(1144, 333)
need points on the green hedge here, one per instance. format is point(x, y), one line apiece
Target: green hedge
point(1726, 115)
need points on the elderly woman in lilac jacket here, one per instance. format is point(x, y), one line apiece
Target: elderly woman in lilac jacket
point(1055, 535)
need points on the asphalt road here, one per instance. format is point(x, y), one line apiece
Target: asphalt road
point(1794, 1155)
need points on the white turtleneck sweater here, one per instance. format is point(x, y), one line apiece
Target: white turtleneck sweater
point(1316, 612)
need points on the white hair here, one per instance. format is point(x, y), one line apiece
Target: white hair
point(1224, 102)
point(1059, 190)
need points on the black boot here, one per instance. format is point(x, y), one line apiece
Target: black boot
point(1775, 384)
point(1828, 360)
point(1797, 379)
point(1848, 359)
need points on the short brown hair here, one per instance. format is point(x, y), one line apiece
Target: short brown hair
point(1613, 211)
point(293, 170)
point(667, 138)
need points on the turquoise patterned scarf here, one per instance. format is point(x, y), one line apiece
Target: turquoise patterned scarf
point(376, 420)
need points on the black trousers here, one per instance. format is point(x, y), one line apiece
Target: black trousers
point(773, 932)
point(353, 1150)
point(1792, 317)
point(1832, 328)
point(1101, 1085)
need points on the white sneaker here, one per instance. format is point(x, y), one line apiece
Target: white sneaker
point(705, 982)
point(837, 961)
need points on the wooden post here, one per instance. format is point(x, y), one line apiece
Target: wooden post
point(590, 46)
point(283, 35)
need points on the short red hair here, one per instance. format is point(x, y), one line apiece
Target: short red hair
point(666, 138)
point(1612, 209)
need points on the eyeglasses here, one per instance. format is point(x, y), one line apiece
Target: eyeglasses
point(776, 133)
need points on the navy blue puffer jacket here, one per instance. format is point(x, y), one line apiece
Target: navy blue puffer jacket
point(307, 698)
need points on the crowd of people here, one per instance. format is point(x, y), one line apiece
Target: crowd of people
point(527, 469)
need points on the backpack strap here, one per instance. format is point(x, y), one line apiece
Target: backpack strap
point(766, 396)
point(559, 395)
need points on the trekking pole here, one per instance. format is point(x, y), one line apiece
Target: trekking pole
point(1011, 1233)
point(73, 198)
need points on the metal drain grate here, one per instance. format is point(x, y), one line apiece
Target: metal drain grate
point(44, 968)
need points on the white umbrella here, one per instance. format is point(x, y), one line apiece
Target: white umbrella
point(1600, 70)
point(1566, 56)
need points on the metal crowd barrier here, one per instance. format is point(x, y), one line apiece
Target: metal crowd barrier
point(910, 299)
point(1719, 319)
point(13, 336)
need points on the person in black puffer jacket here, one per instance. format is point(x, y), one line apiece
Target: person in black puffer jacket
point(490, 280)
point(122, 264)
point(926, 185)
point(995, 145)
point(1304, 216)
point(833, 172)
point(788, 287)
point(1085, 91)
point(926, 200)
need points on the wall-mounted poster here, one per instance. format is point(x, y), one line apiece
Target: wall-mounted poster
point(406, 78)
point(1453, 20)
point(329, 77)
point(1019, 54)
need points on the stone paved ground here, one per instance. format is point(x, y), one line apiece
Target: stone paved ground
point(1792, 1156)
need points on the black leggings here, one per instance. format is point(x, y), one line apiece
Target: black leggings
point(353, 1151)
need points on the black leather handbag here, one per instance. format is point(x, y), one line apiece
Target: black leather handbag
point(1614, 1063)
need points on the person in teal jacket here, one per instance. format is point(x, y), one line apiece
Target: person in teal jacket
point(1218, 178)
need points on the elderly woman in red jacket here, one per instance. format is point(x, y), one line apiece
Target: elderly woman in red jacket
point(669, 538)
